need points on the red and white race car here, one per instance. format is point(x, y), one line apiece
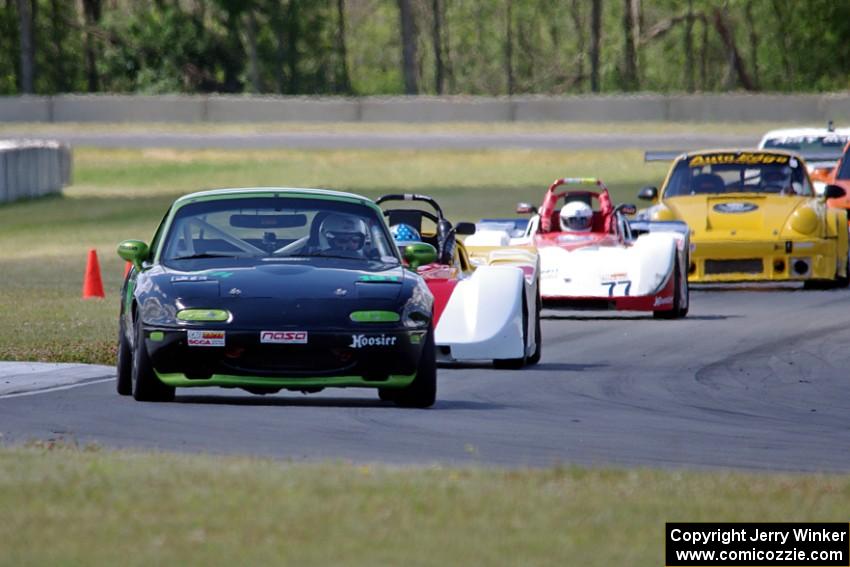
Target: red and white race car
point(610, 263)
point(483, 311)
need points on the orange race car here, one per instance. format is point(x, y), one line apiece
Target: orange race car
point(839, 175)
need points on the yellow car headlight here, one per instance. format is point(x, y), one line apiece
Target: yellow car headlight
point(203, 315)
point(804, 220)
point(662, 213)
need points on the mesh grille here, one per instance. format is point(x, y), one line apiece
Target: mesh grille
point(745, 266)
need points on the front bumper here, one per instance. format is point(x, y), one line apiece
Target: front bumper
point(328, 359)
point(754, 261)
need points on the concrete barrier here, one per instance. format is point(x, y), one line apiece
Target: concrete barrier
point(30, 169)
point(435, 109)
point(128, 108)
point(734, 107)
point(25, 109)
point(280, 109)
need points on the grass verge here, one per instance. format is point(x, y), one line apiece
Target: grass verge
point(87, 507)
point(119, 194)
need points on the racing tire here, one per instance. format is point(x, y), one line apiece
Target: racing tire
point(387, 394)
point(147, 387)
point(422, 392)
point(516, 363)
point(124, 365)
point(842, 281)
point(538, 347)
point(678, 310)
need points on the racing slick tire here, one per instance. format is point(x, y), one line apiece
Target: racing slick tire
point(387, 394)
point(147, 387)
point(681, 297)
point(124, 366)
point(538, 347)
point(516, 363)
point(422, 392)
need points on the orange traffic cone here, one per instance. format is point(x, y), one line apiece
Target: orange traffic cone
point(92, 284)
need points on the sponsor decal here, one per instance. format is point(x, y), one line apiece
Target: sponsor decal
point(235, 291)
point(284, 337)
point(735, 207)
point(360, 341)
point(737, 158)
point(189, 278)
point(340, 292)
point(574, 237)
point(206, 338)
point(663, 301)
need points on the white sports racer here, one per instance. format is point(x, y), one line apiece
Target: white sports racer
point(616, 264)
point(487, 308)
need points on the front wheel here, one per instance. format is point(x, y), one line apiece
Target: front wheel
point(147, 387)
point(422, 392)
point(124, 366)
point(538, 337)
point(681, 296)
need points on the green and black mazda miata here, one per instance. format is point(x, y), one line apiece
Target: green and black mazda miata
point(267, 289)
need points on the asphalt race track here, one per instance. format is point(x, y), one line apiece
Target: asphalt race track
point(392, 140)
point(756, 379)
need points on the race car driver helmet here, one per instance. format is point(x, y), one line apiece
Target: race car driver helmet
point(404, 233)
point(344, 232)
point(777, 178)
point(576, 216)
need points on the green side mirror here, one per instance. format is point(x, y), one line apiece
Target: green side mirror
point(134, 251)
point(419, 254)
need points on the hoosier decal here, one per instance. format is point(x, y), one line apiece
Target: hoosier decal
point(206, 338)
point(360, 341)
point(284, 337)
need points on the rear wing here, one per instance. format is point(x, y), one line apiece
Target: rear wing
point(661, 155)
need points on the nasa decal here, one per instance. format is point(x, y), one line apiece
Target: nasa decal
point(735, 207)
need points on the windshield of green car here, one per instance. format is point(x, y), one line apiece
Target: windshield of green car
point(269, 229)
point(738, 172)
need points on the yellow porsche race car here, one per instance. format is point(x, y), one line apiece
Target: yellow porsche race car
point(753, 216)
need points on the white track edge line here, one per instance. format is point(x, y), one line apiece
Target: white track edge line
point(56, 388)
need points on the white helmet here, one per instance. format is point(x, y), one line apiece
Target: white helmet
point(576, 216)
point(344, 231)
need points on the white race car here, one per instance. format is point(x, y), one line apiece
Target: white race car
point(484, 310)
point(820, 147)
point(615, 264)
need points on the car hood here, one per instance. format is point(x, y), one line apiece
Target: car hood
point(283, 281)
point(744, 216)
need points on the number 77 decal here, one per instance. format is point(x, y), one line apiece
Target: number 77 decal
point(611, 285)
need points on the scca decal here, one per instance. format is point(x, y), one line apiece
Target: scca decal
point(206, 338)
point(284, 337)
point(360, 341)
point(740, 158)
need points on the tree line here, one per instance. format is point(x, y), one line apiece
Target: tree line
point(373, 47)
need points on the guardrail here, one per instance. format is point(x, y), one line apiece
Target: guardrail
point(30, 169)
point(816, 108)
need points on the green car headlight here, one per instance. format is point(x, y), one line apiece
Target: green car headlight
point(203, 315)
point(375, 317)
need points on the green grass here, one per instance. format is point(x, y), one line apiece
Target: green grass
point(83, 507)
point(120, 194)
